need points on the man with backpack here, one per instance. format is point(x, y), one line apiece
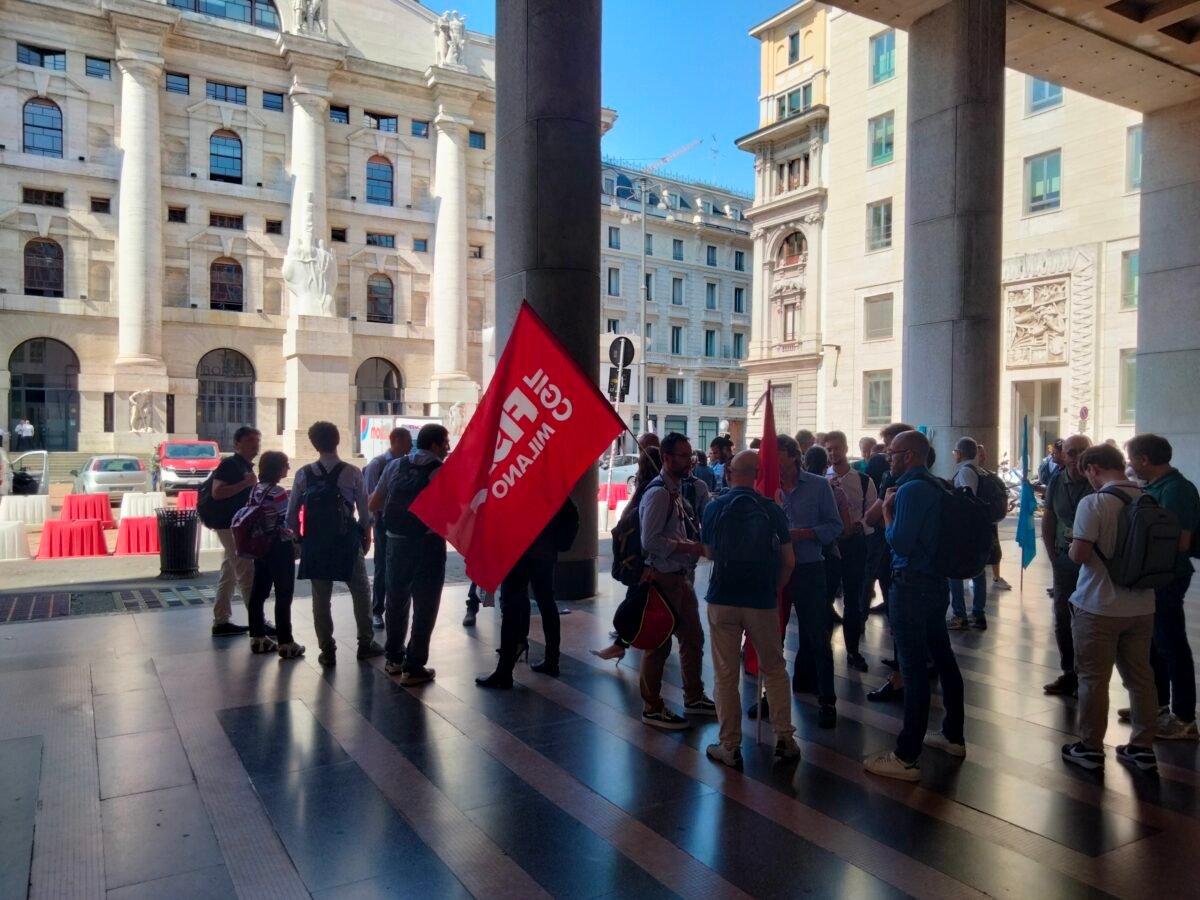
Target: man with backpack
point(967, 475)
point(416, 565)
point(225, 492)
point(334, 542)
point(1112, 620)
point(912, 515)
point(746, 536)
point(849, 569)
point(1171, 655)
point(399, 444)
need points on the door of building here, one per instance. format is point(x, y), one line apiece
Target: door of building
point(45, 391)
point(225, 396)
point(1041, 401)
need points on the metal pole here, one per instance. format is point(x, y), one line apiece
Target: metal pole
point(643, 418)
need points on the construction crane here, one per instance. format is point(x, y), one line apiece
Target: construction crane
point(674, 154)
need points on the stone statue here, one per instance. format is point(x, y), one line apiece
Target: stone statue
point(310, 268)
point(141, 411)
point(450, 36)
point(310, 16)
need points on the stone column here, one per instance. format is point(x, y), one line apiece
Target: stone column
point(310, 109)
point(952, 236)
point(450, 251)
point(1168, 340)
point(547, 182)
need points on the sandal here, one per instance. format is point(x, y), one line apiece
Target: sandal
point(263, 645)
point(291, 651)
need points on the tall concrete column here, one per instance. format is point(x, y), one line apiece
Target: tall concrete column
point(952, 239)
point(450, 249)
point(1168, 345)
point(547, 182)
point(310, 110)
point(140, 215)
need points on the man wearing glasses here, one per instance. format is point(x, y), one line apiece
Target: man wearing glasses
point(1067, 487)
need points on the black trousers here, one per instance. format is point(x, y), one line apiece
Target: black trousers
point(849, 572)
point(514, 609)
point(275, 569)
point(1170, 654)
point(379, 582)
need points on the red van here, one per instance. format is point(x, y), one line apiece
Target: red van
point(184, 465)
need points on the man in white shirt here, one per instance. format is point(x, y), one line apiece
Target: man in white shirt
point(849, 571)
point(967, 475)
point(1110, 624)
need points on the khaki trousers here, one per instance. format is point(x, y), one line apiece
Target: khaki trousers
point(677, 590)
point(234, 570)
point(1100, 642)
point(360, 595)
point(726, 625)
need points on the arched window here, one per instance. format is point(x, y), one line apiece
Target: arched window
point(225, 157)
point(379, 181)
point(225, 284)
point(44, 388)
point(794, 246)
point(381, 306)
point(224, 396)
point(253, 12)
point(43, 128)
point(43, 268)
point(379, 389)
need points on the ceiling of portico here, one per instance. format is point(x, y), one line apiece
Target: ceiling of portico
point(1143, 54)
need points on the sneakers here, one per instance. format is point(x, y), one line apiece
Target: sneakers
point(889, 765)
point(958, 623)
point(1079, 755)
point(827, 716)
point(328, 660)
point(369, 650)
point(1176, 730)
point(1065, 685)
point(394, 668)
point(729, 756)
point(291, 651)
point(228, 629)
point(1141, 758)
point(377, 623)
point(939, 741)
point(978, 622)
point(665, 719)
point(886, 693)
point(420, 675)
point(263, 645)
point(999, 584)
point(469, 619)
point(787, 747)
point(702, 707)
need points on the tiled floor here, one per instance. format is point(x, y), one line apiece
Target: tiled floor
point(141, 759)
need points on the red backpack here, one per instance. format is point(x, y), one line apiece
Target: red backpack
point(644, 620)
point(254, 529)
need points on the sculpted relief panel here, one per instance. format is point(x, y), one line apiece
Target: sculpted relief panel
point(1037, 316)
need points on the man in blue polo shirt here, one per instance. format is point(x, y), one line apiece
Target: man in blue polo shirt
point(917, 611)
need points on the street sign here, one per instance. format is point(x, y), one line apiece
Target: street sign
point(612, 384)
point(1083, 413)
point(620, 352)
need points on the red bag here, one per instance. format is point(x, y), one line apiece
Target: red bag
point(644, 620)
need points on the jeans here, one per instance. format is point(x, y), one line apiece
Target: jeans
point(1066, 577)
point(360, 595)
point(1101, 641)
point(849, 571)
point(276, 568)
point(514, 609)
point(234, 570)
point(379, 581)
point(958, 604)
point(806, 593)
point(676, 588)
point(726, 625)
point(416, 572)
point(1171, 655)
point(917, 611)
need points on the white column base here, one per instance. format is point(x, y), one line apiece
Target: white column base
point(316, 351)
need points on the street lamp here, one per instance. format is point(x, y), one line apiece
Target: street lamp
point(642, 191)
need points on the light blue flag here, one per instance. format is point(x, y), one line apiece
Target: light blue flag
point(1026, 532)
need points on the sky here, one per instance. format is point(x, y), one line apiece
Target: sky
point(675, 71)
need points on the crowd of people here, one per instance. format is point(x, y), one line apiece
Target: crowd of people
point(833, 529)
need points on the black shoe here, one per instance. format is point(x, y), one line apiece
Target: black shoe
point(269, 630)
point(1081, 756)
point(1065, 685)
point(228, 629)
point(892, 664)
point(469, 618)
point(545, 667)
point(979, 622)
point(886, 693)
point(761, 708)
point(1141, 758)
point(498, 679)
point(369, 650)
point(856, 661)
point(328, 660)
point(827, 717)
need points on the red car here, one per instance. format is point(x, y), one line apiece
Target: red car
point(184, 465)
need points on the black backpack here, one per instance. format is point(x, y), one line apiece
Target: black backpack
point(993, 492)
point(404, 484)
point(628, 558)
point(326, 512)
point(745, 545)
point(964, 543)
point(1147, 545)
point(217, 513)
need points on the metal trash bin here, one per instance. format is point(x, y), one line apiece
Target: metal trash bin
point(178, 543)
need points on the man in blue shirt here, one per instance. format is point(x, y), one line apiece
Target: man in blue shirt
point(400, 444)
point(813, 522)
point(917, 611)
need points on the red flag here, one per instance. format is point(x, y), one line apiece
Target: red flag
point(767, 484)
point(539, 426)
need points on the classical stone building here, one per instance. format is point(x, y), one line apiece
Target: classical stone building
point(1070, 233)
point(256, 214)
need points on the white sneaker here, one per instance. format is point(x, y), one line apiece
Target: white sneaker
point(888, 765)
point(1000, 584)
point(1174, 729)
point(938, 741)
point(729, 756)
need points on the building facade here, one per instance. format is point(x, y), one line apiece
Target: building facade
point(1072, 172)
point(697, 279)
point(262, 215)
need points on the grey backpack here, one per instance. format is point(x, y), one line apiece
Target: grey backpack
point(1147, 546)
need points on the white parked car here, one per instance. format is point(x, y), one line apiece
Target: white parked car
point(111, 474)
point(624, 470)
point(28, 473)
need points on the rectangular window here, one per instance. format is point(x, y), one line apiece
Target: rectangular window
point(477, 140)
point(177, 214)
point(420, 128)
point(649, 286)
point(708, 393)
point(739, 300)
point(677, 292)
point(707, 428)
point(178, 84)
point(794, 102)
point(1043, 94)
point(613, 326)
point(883, 56)
point(274, 226)
point(375, 239)
point(339, 115)
point(739, 260)
point(39, 197)
point(102, 205)
point(737, 394)
point(280, 415)
point(614, 238)
point(879, 225)
point(226, 220)
point(420, 245)
point(382, 122)
point(94, 67)
point(614, 282)
point(226, 93)
point(1130, 279)
point(649, 246)
point(675, 390)
point(1043, 182)
point(273, 101)
point(877, 317)
point(1128, 386)
point(710, 343)
point(677, 340)
point(877, 393)
point(790, 313)
point(170, 414)
point(882, 131)
point(649, 336)
point(650, 390)
point(40, 56)
point(109, 413)
point(1133, 159)
point(475, 251)
point(710, 295)
point(675, 424)
point(609, 186)
point(793, 47)
point(739, 345)
point(677, 249)
point(337, 235)
point(710, 257)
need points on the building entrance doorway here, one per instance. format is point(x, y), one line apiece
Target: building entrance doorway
point(379, 391)
point(44, 391)
point(225, 399)
point(1041, 401)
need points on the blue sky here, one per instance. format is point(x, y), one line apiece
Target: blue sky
point(675, 71)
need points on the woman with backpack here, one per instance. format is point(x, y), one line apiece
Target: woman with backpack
point(274, 566)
